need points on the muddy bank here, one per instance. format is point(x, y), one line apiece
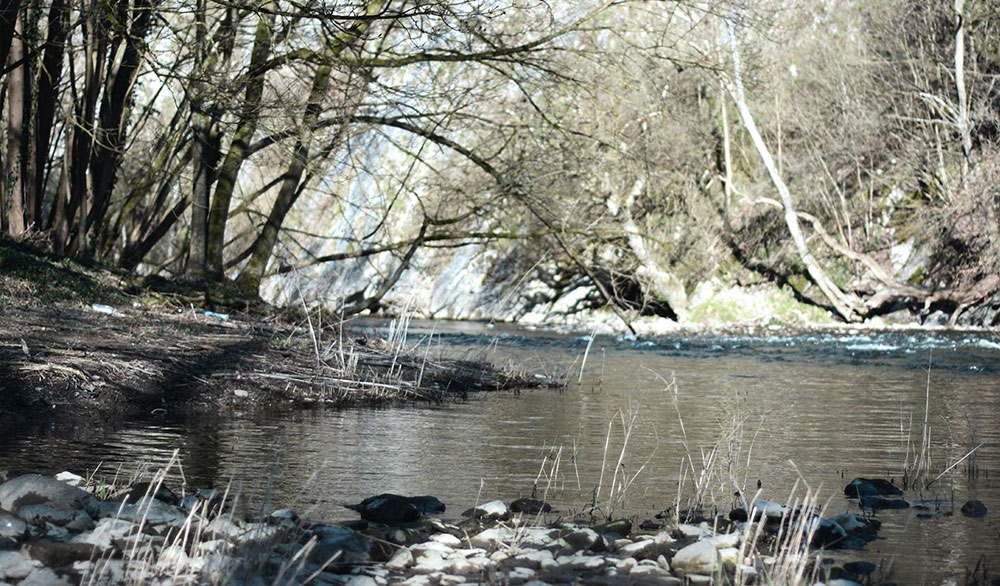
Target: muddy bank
point(59, 359)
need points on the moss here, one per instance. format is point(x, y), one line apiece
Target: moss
point(764, 306)
point(29, 277)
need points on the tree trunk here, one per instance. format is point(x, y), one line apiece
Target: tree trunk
point(251, 275)
point(48, 83)
point(843, 305)
point(963, 106)
point(81, 187)
point(238, 148)
point(127, 50)
point(14, 163)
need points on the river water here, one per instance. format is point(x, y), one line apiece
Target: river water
point(648, 418)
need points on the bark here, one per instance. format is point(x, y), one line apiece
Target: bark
point(963, 106)
point(127, 53)
point(48, 84)
point(132, 256)
point(238, 148)
point(252, 273)
point(664, 284)
point(204, 153)
point(81, 188)
point(14, 162)
point(844, 305)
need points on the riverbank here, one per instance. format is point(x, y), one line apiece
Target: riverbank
point(57, 358)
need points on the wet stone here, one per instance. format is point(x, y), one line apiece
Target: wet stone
point(12, 526)
point(974, 508)
point(34, 489)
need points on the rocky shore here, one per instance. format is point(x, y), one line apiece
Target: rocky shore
point(69, 530)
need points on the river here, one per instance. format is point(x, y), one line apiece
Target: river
point(817, 409)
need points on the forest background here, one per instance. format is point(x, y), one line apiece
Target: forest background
point(641, 156)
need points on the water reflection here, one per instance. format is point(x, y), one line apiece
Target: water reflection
point(816, 408)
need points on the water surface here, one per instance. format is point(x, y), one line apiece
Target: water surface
point(818, 409)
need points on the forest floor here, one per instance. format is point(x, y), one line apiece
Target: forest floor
point(85, 339)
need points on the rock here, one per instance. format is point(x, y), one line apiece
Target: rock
point(724, 540)
point(222, 527)
point(349, 547)
point(259, 535)
point(431, 549)
point(764, 507)
point(14, 565)
point(974, 508)
point(142, 490)
point(70, 478)
point(393, 509)
point(286, 517)
point(520, 575)
point(530, 506)
point(447, 539)
point(212, 547)
point(688, 530)
point(651, 574)
point(62, 555)
point(862, 487)
point(621, 527)
point(491, 537)
point(401, 560)
point(44, 577)
point(702, 557)
point(880, 503)
point(847, 531)
point(12, 526)
point(106, 532)
point(583, 539)
point(537, 537)
point(650, 549)
point(493, 511)
point(150, 511)
point(35, 489)
point(580, 562)
point(46, 513)
point(860, 568)
point(828, 534)
point(173, 559)
point(536, 560)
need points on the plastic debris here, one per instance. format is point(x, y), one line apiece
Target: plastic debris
point(101, 308)
point(222, 316)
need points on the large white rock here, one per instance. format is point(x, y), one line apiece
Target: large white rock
point(493, 537)
point(702, 557)
point(402, 559)
point(447, 539)
point(648, 548)
point(33, 489)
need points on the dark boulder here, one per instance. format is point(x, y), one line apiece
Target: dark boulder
point(622, 527)
point(393, 509)
point(878, 503)
point(862, 487)
point(530, 506)
point(161, 493)
point(974, 508)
